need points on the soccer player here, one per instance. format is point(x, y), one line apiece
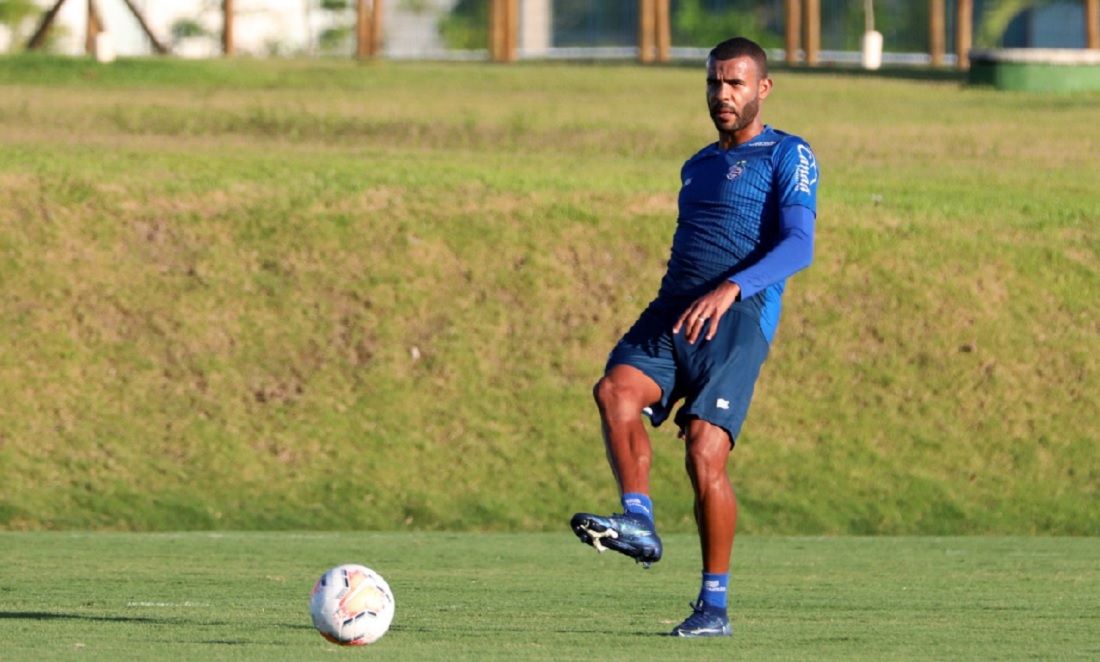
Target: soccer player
point(747, 208)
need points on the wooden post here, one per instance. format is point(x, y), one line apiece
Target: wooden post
point(645, 30)
point(793, 30)
point(503, 30)
point(376, 25)
point(92, 28)
point(663, 30)
point(1092, 24)
point(495, 35)
point(937, 36)
point(511, 34)
point(363, 32)
point(812, 40)
point(964, 32)
point(227, 27)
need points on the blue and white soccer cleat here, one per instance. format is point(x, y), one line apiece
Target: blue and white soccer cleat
point(627, 534)
point(704, 621)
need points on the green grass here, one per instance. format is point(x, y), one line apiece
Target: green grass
point(475, 596)
point(316, 295)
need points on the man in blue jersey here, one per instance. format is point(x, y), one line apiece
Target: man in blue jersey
point(746, 222)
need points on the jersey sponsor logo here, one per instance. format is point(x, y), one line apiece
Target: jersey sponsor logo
point(722, 403)
point(806, 172)
point(767, 143)
point(736, 170)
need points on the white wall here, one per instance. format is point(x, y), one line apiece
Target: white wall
point(259, 25)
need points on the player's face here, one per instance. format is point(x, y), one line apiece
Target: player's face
point(734, 93)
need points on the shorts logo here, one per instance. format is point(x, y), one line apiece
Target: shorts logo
point(736, 171)
point(722, 403)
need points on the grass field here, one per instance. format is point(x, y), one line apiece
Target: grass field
point(473, 596)
point(301, 299)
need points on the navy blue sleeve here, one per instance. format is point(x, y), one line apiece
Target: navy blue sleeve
point(793, 252)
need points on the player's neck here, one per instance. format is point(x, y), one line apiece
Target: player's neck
point(731, 140)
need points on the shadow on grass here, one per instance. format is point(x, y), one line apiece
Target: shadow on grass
point(48, 616)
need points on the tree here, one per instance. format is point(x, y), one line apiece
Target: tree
point(995, 19)
point(337, 36)
point(695, 25)
point(467, 26)
point(16, 15)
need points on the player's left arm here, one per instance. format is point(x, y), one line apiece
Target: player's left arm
point(793, 252)
point(796, 176)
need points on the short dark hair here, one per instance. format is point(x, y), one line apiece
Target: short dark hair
point(742, 47)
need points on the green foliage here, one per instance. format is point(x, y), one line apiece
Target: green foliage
point(13, 13)
point(17, 16)
point(416, 6)
point(694, 25)
point(236, 295)
point(338, 37)
point(995, 19)
point(335, 39)
point(186, 28)
point(466, 27)
point(479, 596)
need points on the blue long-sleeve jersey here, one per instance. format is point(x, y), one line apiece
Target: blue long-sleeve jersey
point(746, 215)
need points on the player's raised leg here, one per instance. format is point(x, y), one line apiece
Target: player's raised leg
point(707, 449)
point(621, 395)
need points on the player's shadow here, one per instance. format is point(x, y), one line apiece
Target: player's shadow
point(51, 616)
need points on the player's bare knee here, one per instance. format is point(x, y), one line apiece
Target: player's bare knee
point(597, 389)
point(610, 395)
point(705, 456)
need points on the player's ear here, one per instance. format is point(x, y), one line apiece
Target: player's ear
point(765, 87)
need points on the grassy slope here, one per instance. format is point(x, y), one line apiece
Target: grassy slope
point(267, 295)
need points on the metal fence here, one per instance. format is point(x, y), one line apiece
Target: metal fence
point(609, 27)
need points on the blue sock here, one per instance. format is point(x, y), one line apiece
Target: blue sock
point(638, 504)
point(713, 592)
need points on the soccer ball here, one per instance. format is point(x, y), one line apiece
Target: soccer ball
point(351, 605)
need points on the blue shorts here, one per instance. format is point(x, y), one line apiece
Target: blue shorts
point(715, 378)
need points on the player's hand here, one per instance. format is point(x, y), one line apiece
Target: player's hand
point(711, 306)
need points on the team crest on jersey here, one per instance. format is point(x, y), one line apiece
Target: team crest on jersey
point(736, 170)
